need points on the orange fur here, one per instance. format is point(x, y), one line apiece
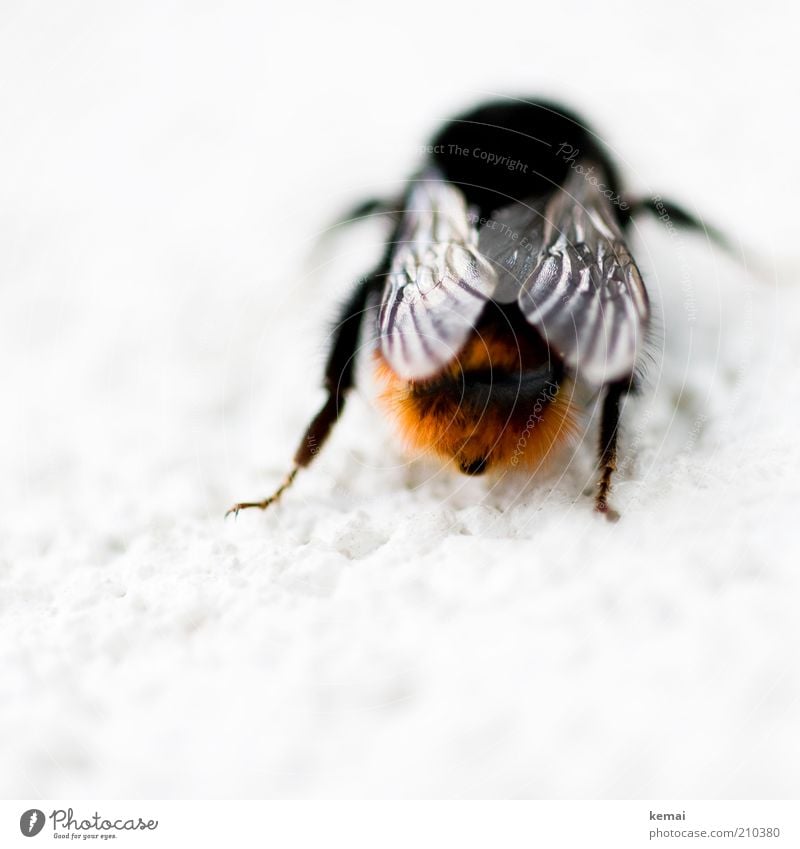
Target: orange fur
point(439, 424)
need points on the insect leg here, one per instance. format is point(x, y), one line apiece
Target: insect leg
point(609, 432)
point(338, 379)
point(362, 210)
point(369, 208)
point(670, 212)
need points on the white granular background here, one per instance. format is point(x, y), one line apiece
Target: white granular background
point(391, 629)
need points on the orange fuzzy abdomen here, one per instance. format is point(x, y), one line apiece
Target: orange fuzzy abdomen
point(483, 410)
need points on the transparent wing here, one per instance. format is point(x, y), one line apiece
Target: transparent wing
point(511, 241)
point(584, 293)
point(438, 281)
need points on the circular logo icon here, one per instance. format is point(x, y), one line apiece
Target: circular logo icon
point(31, 822)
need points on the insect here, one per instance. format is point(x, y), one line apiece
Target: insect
point(506, 300)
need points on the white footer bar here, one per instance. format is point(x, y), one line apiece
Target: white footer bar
point(401, 825)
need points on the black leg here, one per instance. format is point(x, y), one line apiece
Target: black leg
point(362, 210)
point(669, 212)
point(609, 432)
point(338, 379)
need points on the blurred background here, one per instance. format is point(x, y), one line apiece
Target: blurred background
point(166, 170)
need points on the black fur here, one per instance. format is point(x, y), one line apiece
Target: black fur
point(537, 139)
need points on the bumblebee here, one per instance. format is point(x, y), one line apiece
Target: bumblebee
point(506, 300)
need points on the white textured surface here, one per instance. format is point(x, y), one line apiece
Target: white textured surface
point(387, 631)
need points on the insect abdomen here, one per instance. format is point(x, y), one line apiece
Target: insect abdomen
point(503, 402)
